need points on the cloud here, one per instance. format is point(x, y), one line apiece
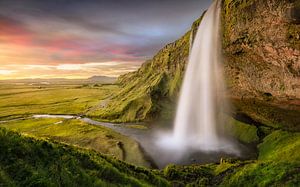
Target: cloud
point(84, 70)
point(6, 72)
point(64, 38)
point(92, 66)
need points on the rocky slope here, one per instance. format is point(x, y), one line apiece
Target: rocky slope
point(262, 63)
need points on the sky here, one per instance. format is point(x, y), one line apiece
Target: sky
point(83, 38)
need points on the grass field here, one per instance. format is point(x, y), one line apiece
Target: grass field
point(18, 102)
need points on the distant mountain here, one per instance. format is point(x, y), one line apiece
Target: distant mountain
point(93, 79)
point(103, 79)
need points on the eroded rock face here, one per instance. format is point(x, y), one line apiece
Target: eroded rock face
point(262, 58)
point(262, 49)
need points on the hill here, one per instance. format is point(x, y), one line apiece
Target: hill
point(103, 79)
point(25, 161)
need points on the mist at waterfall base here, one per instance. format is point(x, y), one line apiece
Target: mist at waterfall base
point(200, 116)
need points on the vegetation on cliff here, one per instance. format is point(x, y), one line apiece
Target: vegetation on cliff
point(148, 92)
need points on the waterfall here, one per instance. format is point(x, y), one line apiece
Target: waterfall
point(200, 114)
point(201, 95)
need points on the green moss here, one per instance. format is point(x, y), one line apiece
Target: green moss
point(175, 82)
point(280, 146)
point(4, 179)
point(242, 131)
point(264, 174)
point(277, 165)
point(224, 166)
point(189, 175)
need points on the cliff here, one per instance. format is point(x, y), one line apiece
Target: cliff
point(262, 59)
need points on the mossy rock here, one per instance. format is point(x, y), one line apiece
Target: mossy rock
point(245, 133)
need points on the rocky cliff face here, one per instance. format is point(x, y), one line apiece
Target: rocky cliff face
point(262, 58)
point(262, 47)
point(262, 63)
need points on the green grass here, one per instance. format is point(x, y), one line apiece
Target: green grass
point(281, 146)
point(25, 100)
point(76, 132)
point(265, 174)
point(188, 175)
point(26, 161)
point(278, 163)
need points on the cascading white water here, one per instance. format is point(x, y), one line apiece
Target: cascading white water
point(201, 105)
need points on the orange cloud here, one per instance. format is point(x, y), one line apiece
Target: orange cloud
point(30, 54)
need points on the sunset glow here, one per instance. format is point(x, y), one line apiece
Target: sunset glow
point(78, 40)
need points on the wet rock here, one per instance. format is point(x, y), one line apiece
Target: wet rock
point(293, 13)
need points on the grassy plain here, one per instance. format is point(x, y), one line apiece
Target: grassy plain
point(19, 101)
